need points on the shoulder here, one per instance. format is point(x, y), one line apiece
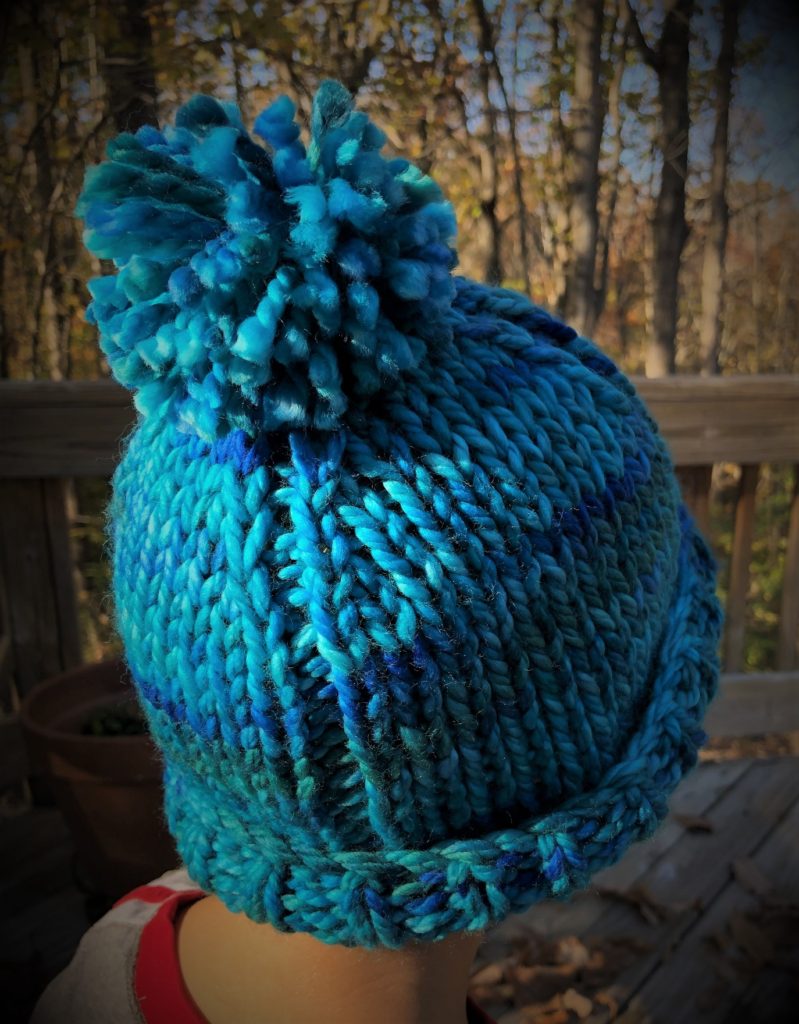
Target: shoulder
point(98, 984)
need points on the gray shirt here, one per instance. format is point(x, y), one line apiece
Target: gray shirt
point(97, 987)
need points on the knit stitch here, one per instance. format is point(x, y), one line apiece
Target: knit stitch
point(424, 637)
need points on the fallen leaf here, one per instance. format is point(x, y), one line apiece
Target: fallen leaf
point(540, 981)
point(751, 939)
point(560, 1016)
point(720, 941)
point(489, 994)
point(527, 949)
point(694, 823)
point(550, 1012)
point(574, 1000)
point(511, 1017)
point(606, 999)
point(572, 951)
point(608, 961)
point(492, 974)
point(750, 876)
point(642, 900)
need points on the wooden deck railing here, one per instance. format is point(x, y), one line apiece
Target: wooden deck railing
point(53, 431)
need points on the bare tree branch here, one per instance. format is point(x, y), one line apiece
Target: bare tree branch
point(653, 57)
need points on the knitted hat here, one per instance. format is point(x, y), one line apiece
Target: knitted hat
point(404, 579)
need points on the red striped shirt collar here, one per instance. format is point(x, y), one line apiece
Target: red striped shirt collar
point(158, 981)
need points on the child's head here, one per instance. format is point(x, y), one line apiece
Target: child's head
point(401, 567)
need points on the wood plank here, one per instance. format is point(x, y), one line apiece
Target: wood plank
point(14, 765)
point(37, 570)
point(737, 418)
point(695, 795)
point(695, 485)
point(8, 698)
point(62, 428)
point(750, 703)
point(74, 428)
point(744, 531)
point(708, 995)
point(788, 642)
point(696, 871)
point(59, 508)
point(5, 665)
point(27, 577)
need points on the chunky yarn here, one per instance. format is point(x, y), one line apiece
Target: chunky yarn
point(254, 288)
point(415, 661)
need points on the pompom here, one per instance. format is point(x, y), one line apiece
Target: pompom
point(258, 287)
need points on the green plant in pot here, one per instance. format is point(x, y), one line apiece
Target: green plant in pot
point(115, 720)
point(88, 739)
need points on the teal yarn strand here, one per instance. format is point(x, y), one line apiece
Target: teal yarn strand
point(261, 287)
point(423, 638)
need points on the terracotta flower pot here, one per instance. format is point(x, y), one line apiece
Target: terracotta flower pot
point(107, 787)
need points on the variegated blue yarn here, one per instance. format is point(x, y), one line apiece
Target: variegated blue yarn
point(416, 657)
point(254, 288)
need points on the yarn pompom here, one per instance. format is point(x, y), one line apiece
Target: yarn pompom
point(261, 287)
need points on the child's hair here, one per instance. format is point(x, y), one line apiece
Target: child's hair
point(417, 616)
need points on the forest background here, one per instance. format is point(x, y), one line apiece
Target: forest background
point(633, 167)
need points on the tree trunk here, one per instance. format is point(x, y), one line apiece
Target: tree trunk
point(716, 241)
point(128, 67)
point(234, 27)
point(554, 211)
point(353, 32)
point(670, 230)
point(757, 281)
point(786, 296)
point(489, 227)
point(487, 234)
point(614, 171)
point(670, 61)
point(583, 184)
point(488, 46)
point(40, 90)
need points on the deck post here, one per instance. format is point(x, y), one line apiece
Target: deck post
point(788, 645)
point(37, 581)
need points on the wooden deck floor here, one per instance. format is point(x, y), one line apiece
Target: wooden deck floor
point(699, 924)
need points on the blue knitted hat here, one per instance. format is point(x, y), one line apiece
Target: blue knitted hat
point(401, 567)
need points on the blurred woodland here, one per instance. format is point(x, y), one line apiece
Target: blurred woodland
point(601, 156)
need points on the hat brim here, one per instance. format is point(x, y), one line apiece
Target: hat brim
point(392, 897)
